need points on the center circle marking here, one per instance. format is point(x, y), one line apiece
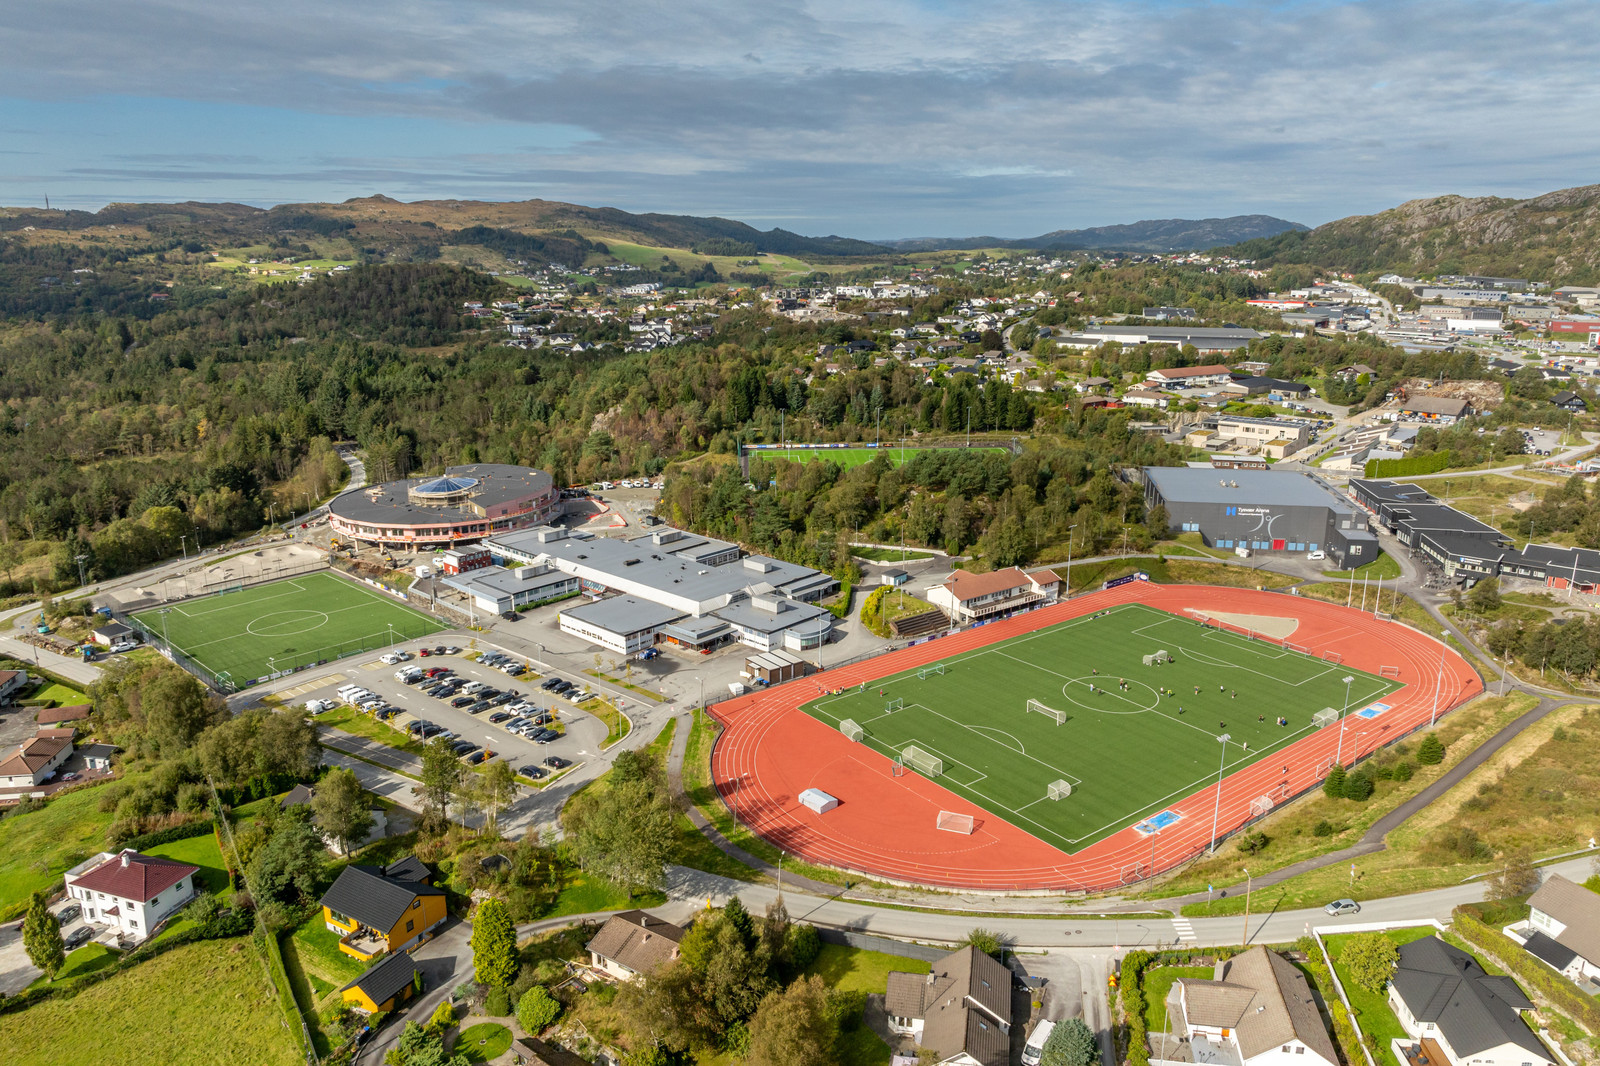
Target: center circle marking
point(287, 624)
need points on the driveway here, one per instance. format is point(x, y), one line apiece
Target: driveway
point(445, 962)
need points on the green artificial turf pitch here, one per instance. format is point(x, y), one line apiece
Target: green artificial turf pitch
point(848, 457)
point(282, 625)
point(1127, 754)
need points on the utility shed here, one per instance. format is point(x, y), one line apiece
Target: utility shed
point(818, 800)
point(775, 666)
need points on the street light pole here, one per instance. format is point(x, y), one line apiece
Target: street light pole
point(1438, 683)
point(1338, 754)
point(1069, 557)
point(183, 544)
point(1247, 881)
point(1216, 811)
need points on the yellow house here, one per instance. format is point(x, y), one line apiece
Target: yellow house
point(384, 987)
point(378, 909)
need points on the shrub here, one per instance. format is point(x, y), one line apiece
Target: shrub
point(536, 1010)
point(1370, 958)
point(497, 1004)
point(987, 941)
point(1251, 843)
point(443, 1018)
point(1333, 786)
point(1402, 770)
point(1431, 751)
point(1358, 786)
point(802, 943)
point(1323, 828)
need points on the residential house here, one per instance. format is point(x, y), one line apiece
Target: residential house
point(1146, 398)
point(1568, 400)
point(97, 756)
point(1093, 385)
point(634, 943)
point(1459, 1014)
point(1563, 929)
point(375, 909)
point(1257, 1010)
point(129, 892)
point(302, 795)
point(1190, 376)
point(384, 987)
point(967, 597)
point(1354, 371)
point(56, 715)
point(36, 759)
point(11, 683)
point(961, 1011)
point(1444, 410)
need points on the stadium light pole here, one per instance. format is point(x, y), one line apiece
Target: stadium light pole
point(1438, 683)
point(82, 578)
point(183, 545)
point(1338, 754)
point(1069, 558)
point(1216, 811)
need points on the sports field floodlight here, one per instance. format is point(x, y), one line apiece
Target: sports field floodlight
point(1338, 751)
point(1216, 810)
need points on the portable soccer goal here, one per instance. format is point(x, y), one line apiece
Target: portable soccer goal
point(1389, 671)
point(899, 769)
point(1333, 657)
point(1059, 789)
point(922, 762)
point(1260, 805)
point(1158, 657)
point(1326, 716)
point(893, 705)
point(1301, 648)
point(951, 822)
point(1059, 716)
point(929, 671)
point(851, 729)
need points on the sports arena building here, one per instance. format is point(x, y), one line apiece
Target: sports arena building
point(1261, 511)
point(469, 503)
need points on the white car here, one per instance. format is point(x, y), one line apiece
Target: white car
point(318, 706)
point(391, 658)
point(124, 645)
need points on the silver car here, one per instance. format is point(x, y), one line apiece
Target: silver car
point(1343, 906)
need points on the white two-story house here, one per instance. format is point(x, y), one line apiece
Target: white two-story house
point(1459, 1014)
point(129, 892)
point(1563, 929)
point(1256, 1011)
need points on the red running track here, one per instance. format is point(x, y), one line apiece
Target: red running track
point(884, 827)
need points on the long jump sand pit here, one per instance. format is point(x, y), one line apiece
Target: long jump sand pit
point(1267, 625)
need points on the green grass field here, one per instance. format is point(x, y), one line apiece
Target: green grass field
point(848, 457)
point(282, 625)
point(1126, 753)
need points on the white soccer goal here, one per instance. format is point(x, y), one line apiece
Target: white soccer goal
point(1389, 671)
point(1333, 657)
point(893, 705)
point(1059, 789)
point(1260, 805)
point(1326, 716)
point(1059, 716)
point(1158, 657)
point(1301, 648)
point(851, 729)
point(922, 762)
point(929, 671)
point(899, 769)
point(951, 822)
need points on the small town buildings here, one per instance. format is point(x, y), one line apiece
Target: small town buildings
point(1563, 930)
point(36, 760)
point(1256, 432)
point(377, 909)
point(634, 943)
point(1146, 398)
point(1568, 400)
point(384, 987)
point(112, 633)
point(11, 683)
point(1459, 1014)
point(1191, 376)
point(967, 597)
point(128, 892)
point(1257, 1010)
point(961, 1011)
point(1442, 410)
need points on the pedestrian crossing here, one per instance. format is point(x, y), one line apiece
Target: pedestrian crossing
point(1184, 929)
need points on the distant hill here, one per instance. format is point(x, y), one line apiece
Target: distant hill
point(568, 229)
point(1554, 238)
point(1151, 235)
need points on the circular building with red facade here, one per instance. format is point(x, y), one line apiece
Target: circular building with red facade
point(465, 504)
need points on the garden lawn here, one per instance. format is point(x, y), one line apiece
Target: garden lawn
point(1371, 1009)
point(583, 894)
point(199, 851)
point(61, 695)
point(85, 960)
point(890, 555)
point(38, 847)
point(1157, 983)
point(483, 1042)
point(205, 1004)
point(318, 948)
point(857, 970)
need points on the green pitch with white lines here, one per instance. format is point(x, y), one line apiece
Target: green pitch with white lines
point(1135, 737)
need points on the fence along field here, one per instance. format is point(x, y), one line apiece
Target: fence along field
point(247, 635)
point(1069, 734)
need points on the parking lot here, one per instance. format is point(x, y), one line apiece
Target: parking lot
point(582, 732)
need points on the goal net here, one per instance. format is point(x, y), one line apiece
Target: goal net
point(1333, 657)
point(1158, 657)
point(1389, 671)
point(1059, 789)
point(951, 822)
point(851, 729)
point(1301, 648)
point(893, 705)
point(1326, 716)
point(1260, 805)
point(899, 769)
point(929, 671)
point(1059, 716)
point(922, 762)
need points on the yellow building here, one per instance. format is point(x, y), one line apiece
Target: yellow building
point(379, 909)
point(384, 987)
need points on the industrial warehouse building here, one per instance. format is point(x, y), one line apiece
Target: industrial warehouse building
point(1261, 511)
point(669, 586)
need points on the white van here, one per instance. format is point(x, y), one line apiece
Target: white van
point(318, 706)
point(345, 691)
point(1033, 1050)
point(1319, 554)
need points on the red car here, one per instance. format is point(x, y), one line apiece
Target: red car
point(424, 652)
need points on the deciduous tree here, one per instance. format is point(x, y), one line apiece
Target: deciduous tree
point(794, 1027)
point(342, 809)
point(1370, 959)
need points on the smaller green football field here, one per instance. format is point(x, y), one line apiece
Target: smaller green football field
point(848, 457)
point(1129, 738)
point(242, 636)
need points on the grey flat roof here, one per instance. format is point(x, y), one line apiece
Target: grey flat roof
point(506, 579)
point(790, 614)
point(1175, 332)
point(1182, 484)
point(497, 483)
point(624, 614)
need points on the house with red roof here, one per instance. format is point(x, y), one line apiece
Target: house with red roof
point(128, 892)
point(966, 597)
point(36, 759)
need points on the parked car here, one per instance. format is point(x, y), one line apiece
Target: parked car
point(77, 936)
point(533, 773)
point(318, 706)
point(424, 652)
point(549, 683)
point(124, 645)
point(556, 762)
point(462, 701)
point(461, 747)
point(388, 713)
point(477, 757)
point(69, 914)
point(544, 736)
point(1343, 906)
point(500, 716)
point(515, 669)
point(478, 707)
point(502, 699)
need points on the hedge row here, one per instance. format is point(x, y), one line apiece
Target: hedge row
point(166, 836)
point(1344, 1029)
point(872, 611)
point(1557, 989)
point(1410, 466)
point(280, 982)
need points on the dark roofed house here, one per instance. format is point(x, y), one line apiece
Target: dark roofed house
point(1257, 1007)
point(1444, 410)
point(302, 795)
point(384, 987)
point(961, 1011)
point(1568, 400)
point(12, 682)
point(538, 1053)
point(375, 909)
point(111, 633)
point(1563, 929)
point(1455, 1010)
point(634, 943)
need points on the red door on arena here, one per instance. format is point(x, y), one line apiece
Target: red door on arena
point(1277, 545)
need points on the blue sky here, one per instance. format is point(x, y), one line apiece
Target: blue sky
point(871, 118)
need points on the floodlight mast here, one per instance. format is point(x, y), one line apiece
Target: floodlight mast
point(1216, 811)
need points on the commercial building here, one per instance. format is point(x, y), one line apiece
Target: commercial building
point(1205, 339)
point(467, 504)
point(1441, 410)
point(1261, 511)
point(966, 597)
point(1257, 433)
point(502, 590)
